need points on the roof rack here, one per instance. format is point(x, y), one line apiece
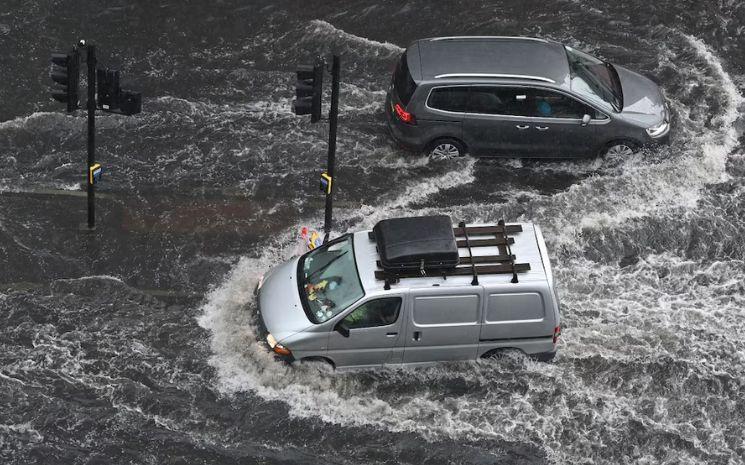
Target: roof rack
point(501, 76)
point(437, 39)
point(475, 265)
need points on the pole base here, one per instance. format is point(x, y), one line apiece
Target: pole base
point(84, 228)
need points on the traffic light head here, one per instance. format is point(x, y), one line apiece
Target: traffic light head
point(309, 90)
point(107, 89)
point(65, 72)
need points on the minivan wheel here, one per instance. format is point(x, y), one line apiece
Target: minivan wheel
point(620, 148)
point(445, 149)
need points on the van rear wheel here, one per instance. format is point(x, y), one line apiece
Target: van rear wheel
point(446, 149)
point(502, 353)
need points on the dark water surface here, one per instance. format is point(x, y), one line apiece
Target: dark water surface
point(136, 344)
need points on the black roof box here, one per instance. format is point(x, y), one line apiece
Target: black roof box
point(403, 243)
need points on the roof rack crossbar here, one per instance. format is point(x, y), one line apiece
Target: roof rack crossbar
point(486, 259)
point(510, 228)
point(486, 242)
point(505, 268)
point(475, 281)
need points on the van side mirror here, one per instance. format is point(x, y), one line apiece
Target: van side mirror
point(586, 120)
point(342, 329)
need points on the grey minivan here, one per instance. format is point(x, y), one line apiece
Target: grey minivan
point(414, 291)
point(520, 97)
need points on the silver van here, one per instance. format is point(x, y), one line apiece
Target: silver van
point(520, 97)
point(414, 291)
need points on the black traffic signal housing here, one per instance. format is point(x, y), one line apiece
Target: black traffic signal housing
point(66, 72)
point(107, 83)
point(112, 97)
point(309, 90)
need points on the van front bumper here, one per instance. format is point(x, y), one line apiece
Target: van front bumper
point(262, 332)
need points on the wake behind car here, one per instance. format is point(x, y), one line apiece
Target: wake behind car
point(520, 97)
point(414, 291)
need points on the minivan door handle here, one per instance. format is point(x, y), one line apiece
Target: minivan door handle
point(391, 334)
point(522, 127)
point(417, 335)
point(542, 128)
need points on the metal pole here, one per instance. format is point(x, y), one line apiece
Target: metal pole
point(333, 117)
point(91, 60)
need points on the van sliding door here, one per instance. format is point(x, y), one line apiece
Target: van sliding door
point(443, 326)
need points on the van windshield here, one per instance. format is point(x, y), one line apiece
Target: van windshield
point(328, 280)
point(402, 81)
point(594, 79)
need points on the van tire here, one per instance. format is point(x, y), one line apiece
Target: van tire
point(318, 360)
point(502, 352)
point(445, 149)
point(619, 148)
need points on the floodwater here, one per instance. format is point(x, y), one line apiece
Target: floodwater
point(136, 343)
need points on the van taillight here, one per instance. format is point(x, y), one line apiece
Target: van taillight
point(557, 333)
point(404, 115)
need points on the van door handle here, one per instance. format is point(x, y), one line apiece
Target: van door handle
point(391, 334)
point(542, 128)
point(417, 335)
point(522, 127)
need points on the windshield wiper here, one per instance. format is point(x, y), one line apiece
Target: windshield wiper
point(326, 265)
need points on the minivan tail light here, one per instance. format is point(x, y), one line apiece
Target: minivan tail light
point(557, 333)
point(404, 115)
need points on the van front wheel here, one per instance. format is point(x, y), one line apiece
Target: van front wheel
point(445, 149)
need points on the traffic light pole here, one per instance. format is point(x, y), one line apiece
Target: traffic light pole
point(333, 119)
point(91, 61)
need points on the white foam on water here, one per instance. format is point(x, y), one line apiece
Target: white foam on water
point(321, 27)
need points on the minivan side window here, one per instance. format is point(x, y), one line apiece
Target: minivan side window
point(378, 312)
point(449, 99)
point(522, 101)
point(548, 104)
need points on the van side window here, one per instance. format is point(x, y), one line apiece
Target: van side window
point(449, 99)
point(446, 310)
point(378, 312)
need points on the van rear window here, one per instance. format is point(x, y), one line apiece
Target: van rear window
point(402, 81)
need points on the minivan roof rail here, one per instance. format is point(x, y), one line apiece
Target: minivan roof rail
point(435, 39)
point(485, 75)
point(504, 263)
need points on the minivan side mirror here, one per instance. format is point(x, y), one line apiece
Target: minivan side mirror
point(342, 329)
point(586, 120)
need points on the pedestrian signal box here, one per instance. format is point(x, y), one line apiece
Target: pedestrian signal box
point(94, 173)
point(326, 183)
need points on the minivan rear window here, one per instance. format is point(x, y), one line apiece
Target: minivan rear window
point(403, 82)
point(449, 99)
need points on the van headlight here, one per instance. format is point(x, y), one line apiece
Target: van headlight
point(277, 347)
point(658, 131)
